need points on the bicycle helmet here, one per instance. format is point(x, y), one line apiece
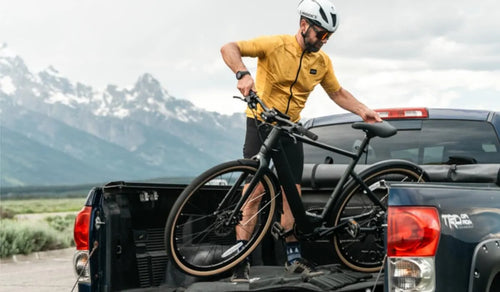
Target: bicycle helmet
point(321, 13)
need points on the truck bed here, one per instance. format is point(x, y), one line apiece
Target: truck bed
point(131, 246)
point(274, 278)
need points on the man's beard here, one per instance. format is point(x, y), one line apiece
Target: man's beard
point(313, 47)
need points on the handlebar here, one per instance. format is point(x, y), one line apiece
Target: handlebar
point(274, 115)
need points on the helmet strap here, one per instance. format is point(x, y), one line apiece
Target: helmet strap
point(308, 47)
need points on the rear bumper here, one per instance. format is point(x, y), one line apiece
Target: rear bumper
point(84, 287)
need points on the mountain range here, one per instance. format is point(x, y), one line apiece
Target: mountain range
point(54, 131)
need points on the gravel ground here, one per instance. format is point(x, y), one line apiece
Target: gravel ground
point(41, 271)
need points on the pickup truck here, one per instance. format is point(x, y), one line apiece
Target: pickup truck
point(442, 235)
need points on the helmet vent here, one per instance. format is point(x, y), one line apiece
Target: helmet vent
point(323, 15)
point(334, 19)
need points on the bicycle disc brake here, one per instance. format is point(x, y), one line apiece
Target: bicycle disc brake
point(224, 224)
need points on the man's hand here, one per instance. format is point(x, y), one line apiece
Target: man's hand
point(371, 116)
point(246, 84)
point(232, 57)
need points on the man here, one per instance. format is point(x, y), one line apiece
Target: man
point(288, 69)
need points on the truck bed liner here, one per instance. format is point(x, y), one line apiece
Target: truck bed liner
point(274, 278)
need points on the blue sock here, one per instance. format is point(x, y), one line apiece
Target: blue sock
point(293, 251)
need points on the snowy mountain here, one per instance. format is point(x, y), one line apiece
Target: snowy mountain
point(54, 131)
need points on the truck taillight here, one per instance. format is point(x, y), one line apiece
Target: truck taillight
point(403, 113)
point(412, 231)
point(412, 240)
point(81, 228)
point(81, 237)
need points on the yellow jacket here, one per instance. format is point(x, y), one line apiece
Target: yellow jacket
point(278, 62)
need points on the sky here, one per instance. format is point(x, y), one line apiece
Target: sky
point(387, 53)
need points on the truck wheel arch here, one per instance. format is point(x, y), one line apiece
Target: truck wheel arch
point(485, 268)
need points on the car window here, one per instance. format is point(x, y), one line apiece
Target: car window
point(419, 141)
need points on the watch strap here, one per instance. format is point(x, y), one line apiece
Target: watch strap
point(240, 74)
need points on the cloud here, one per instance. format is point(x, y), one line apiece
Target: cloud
point(446, 34)
point(386, 52)
point(217, 100)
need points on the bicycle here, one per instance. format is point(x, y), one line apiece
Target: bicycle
point(200, 230)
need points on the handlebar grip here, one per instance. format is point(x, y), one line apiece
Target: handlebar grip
point(307, 133)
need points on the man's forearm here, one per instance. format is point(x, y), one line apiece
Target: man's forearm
point(348, 102)
point(232, 57)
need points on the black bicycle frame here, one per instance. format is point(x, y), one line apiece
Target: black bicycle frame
point(271, 149)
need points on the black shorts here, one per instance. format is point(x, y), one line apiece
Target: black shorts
point(293, 149)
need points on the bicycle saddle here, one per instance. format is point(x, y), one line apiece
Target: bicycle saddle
point(382, 129)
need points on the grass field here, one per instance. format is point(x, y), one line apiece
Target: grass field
point(25, 234)
point(10, 208)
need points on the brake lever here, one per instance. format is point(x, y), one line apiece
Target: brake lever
point(247, 99)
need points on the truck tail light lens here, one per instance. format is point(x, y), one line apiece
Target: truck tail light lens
point(411, 274)
point(412, 231)
point(412, 240)
point(81, 228)
point(403, 113)
point(81, 266)
point(81, 237)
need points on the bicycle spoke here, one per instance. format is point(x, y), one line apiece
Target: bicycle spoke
point(203, 237)
point(201, 217)
point(194, 236)
point(257, 213)
point(360, 244)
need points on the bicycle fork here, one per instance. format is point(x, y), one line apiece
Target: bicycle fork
point(235, 214)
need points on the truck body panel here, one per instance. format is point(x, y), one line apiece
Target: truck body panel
point(470, 217)
point(458, 149)
point(131, 253)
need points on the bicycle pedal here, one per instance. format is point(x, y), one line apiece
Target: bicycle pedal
point(278, 232)
point(352, 228)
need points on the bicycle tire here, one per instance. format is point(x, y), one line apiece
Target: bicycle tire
point(196, 237)
point(365, 251)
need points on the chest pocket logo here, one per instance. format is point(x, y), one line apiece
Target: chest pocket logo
point(313, 71)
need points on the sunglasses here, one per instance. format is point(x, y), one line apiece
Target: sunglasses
point(321, 34)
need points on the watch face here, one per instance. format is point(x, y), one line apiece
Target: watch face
point(240, 74)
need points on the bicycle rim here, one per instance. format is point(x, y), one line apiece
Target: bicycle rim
point(202, 238)
point(364, 251)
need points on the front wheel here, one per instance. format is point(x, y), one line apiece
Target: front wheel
point(360, 245)
point(200, 233)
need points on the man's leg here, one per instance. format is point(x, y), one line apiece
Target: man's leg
point(295, 262)
point(287, 221)
point(250, 208)
point(244, 230)
point(246, 226)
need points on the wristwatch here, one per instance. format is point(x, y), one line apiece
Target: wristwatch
point(240, 74)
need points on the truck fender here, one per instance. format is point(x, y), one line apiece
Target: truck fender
point(485, 268)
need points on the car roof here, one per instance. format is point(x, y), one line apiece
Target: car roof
point(434, 113)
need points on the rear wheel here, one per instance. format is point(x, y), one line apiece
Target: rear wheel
point(200, 232)
point(360, 244)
